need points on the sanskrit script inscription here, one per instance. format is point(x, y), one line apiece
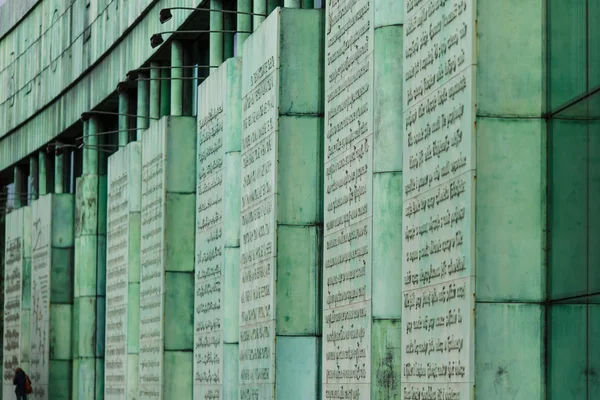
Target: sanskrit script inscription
point(210, 241)
point(40, 296)
point(439, 205)
point(117, 270)
point(258, 221)
point(13, 267)
point(152, 264)
point(348, 200)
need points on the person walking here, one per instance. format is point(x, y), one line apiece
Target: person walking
point(19, 381)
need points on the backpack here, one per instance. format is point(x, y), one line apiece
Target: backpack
point(28, 389)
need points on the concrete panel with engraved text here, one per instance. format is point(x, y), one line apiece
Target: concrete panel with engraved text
point(152, 266)
point(217, 228)
point(124, 190)
point(348, 202)
point(13, 283)
point(260, 94)
point(41, 250)
point(438, 266)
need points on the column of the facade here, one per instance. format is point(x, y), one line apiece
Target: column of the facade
point(14, 351)
point(123, 273)
point(167, 250)
point(244, 23)
point(281, 205)
point(511, 200)
point(216, 38)
point(386, 63)
point(363, 200)
point(90, 272)
point(217, 276)
point(51, 285)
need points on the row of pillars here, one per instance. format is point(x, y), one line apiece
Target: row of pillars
point(151, 98)
point(160, 91)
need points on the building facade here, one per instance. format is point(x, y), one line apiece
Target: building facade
point(295, 199)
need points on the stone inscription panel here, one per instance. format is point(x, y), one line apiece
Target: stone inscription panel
point(260, 92)
point(152, 275)
point(210, 242)
point(439, 200)
point(41, 214)
point(348, 195)
point(117, 271)
point(13, 267)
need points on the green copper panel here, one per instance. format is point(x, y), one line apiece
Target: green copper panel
point(61, 377)
point(86, 375)
point(87, 329)
point(26, 289)
point(178, 375)
point(62, 275)
point(100, 327)
point(179, 311)
point(510, 352)
point(388, 12)
point(180, 232)
point(60, 332)
point(133, 321)
point(511, 80)
point(511, 233)
point(298, 256)
point(387, 244)
point(297, 358)
point(230, 370)
point(300, 169)
point(101, 266)
point(99, 381)
point(133, 376)
point(85, 264)
point(63, 213)
point(87, 200)
point(387, 115)
point(386, 365)
point(25, 345)
point(180, 144)
point(301, 82)
point(231, 295)
point(134, 247)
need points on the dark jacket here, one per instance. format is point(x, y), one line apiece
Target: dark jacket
point(19, 382)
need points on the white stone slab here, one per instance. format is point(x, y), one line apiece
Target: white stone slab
point(348, 200)
point(123, 197)
point(260, 119)
point(13, 286)
point(216, 224)
point(41, 254)
point(438, 221)
point(152, 275)
point(439, 43)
